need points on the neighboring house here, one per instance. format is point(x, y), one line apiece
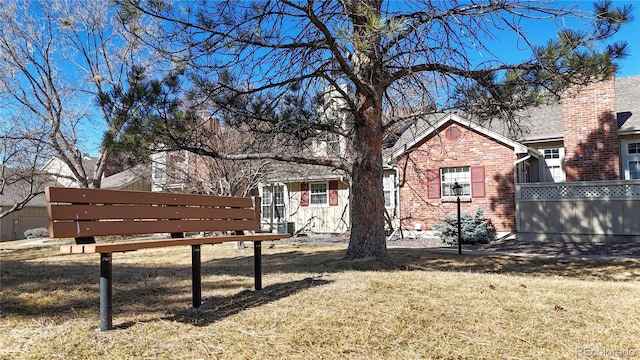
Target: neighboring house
point(34, 213)
point(62, 173)
point(594, 134)
point(305, 199)
point(135, 178)
point(171, 171)
point(316, 200)
point(294, 198)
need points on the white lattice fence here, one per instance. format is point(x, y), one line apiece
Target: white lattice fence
point(582, 211)
point(579, 190)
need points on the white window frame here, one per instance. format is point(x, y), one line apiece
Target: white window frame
point(318, 194)
point(552, 163)
point(635, 175)
point(389, 189)
point(449, 176)
point(268, 201)
point(629, 158)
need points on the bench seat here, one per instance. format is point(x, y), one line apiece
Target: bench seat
point(123, 246)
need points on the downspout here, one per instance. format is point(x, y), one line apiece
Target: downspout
point(521, 160)
point(273, 208)
point(396, 196)
point(349, 202)
point(396, 190)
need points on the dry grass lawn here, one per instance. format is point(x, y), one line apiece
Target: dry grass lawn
point(418, 305)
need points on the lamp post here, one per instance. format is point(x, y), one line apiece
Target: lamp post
point(457, 191)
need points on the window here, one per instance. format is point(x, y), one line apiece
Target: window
point(326, 144)
point(552, 165)
point(634, 169)
point(319, 194)
point(333, 143)
point(388, 183)
point(631, 159)
point(273, 202)
point(471, 178)
point(556, 173)
point(448, 177)
point(551, 153)
point(267, 202)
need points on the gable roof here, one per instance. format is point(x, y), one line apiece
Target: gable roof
point(126, 177)
point(292, 172)
point(541, 123)
point(21, 185)
point(433, 123)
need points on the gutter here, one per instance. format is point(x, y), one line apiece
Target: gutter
point(632, 131)
point(530, 151)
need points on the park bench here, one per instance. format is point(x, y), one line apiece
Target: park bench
point(85, 214)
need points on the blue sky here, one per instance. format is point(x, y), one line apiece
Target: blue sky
point(630, 33)
point(506, 48)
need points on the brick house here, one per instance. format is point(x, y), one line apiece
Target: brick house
point(593, 134)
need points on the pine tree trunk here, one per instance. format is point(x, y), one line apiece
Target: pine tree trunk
point(367, 211)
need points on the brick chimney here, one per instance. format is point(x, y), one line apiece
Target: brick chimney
point(589, 120)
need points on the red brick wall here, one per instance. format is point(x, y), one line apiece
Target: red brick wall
point(471, 149)
point(590, 133)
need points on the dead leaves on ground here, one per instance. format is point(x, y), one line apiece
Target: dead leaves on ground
point(524, 286)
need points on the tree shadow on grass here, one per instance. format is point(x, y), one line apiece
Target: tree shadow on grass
point(401, 259)
point(60, 289)
point(607, 269)
point(216, 309)
point(57, 288)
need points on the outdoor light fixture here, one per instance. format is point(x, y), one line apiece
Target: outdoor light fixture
point(457, 191)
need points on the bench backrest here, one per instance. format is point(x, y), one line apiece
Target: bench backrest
point(85, 213)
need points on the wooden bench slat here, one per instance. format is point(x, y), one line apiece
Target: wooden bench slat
point(148, 244)
point(97, 212)
point(101, 196)
point(80, 229)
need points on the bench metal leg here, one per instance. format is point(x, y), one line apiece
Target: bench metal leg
point(106, 292)
point(196, 278)
point(257, 263)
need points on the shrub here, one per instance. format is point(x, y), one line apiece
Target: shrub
point(476, 229)
point(36, 233)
